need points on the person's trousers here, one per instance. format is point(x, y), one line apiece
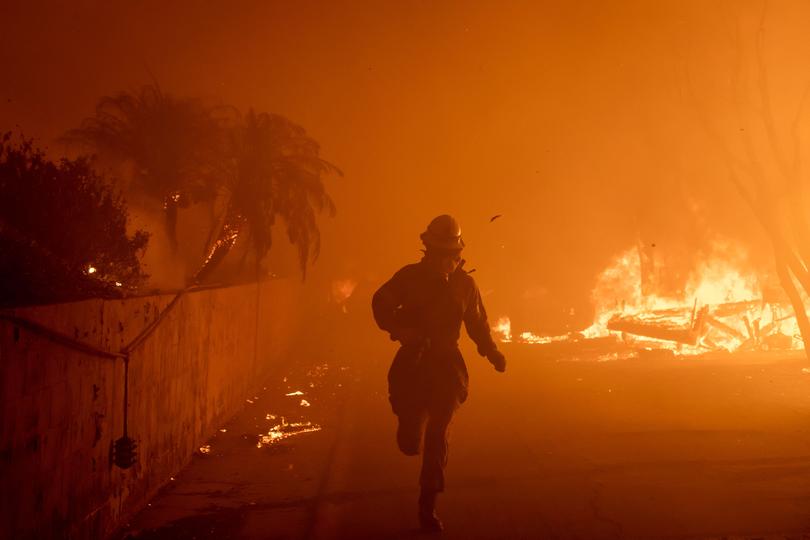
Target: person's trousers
point(428, 422)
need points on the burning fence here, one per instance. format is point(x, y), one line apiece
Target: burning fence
point(720, 309)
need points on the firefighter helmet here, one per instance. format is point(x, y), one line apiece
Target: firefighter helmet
point(443, 232)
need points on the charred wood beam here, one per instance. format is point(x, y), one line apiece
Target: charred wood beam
point(720, 325)
point(686, 335)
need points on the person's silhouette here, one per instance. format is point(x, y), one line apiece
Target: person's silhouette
point(422, 306)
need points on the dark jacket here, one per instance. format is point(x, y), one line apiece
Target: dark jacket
point(419, 297)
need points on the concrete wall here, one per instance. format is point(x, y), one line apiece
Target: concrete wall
point(61, 410)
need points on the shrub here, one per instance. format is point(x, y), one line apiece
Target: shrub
point(62, 230)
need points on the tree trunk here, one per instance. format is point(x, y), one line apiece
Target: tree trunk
point(226, 239)
point(789, 286)
point(170, 209)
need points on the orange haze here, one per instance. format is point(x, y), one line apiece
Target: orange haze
point(575, 120)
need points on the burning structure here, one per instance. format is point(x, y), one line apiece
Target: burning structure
point(721, 308)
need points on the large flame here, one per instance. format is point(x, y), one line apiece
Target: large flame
point(503, 329)
point(721, 304)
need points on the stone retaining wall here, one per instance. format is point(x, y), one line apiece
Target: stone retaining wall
point(61, 410)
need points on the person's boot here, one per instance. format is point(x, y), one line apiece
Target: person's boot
point(428, 520)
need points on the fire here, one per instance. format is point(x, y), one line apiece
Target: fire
point(173, 197)
point(720, 307)
point(285, 430)
point(230, 232)
point(342, 289)
point(618, 290)
point(717, 282)
point(503, 329)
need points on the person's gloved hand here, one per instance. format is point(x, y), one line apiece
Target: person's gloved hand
point(497, 359)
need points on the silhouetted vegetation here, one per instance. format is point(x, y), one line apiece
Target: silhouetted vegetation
point(62, 230)
point(63, 225)
point(273, 170)
point(252, 170)
point(172, 144)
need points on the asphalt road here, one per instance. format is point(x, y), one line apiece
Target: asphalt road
point(554, 448)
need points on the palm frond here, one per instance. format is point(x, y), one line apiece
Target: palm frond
point(275, 171)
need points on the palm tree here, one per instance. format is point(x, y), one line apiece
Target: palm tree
point(171, 142)
point(273, 171)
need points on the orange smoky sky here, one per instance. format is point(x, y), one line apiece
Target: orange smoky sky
point(579, 121)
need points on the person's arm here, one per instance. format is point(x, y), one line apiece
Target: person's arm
point(385, 305)
point(477, 325)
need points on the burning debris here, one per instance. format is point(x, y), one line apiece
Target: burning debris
point(342, 290)
point(285, 430)
point(738, 326)
point(728, 312)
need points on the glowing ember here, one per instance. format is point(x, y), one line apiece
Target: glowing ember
point(296, 393)
point(342, 289)
point(229, 235)
point(285, 430)
point(91, 269)
point(304, 403)
point(174, 197)
point(528, 337)
point(205, 449)
point(318, 371)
